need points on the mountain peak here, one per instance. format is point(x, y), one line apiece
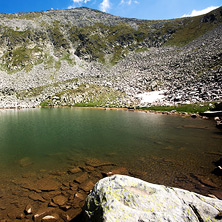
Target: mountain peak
point(76, 51)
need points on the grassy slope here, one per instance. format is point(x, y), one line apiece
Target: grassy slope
point(99, 40)
point(189, 108)
point(90, 96)
point(195, 27)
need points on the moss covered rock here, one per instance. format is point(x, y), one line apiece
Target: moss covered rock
point(123, 198)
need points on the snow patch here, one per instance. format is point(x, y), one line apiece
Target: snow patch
point(151, 97)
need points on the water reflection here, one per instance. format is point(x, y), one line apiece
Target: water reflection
point(46, 135)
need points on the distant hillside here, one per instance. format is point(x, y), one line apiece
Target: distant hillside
point(72, 54)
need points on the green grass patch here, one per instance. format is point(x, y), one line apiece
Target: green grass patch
point(118, 54)
point(56, 35)
point(89, 96)
point(57, 65)
point(20, 58)
point(51, 62)
point(35, 92)
point(15, 37)
point(90, 104)
point(66, 57)
point(188, 108)
point(44, 104)
point(193, 28)
point(143, 49)
point(99, 40)
point(27, 16)
point(48, 62)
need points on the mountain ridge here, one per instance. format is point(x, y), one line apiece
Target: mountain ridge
point(44, 54)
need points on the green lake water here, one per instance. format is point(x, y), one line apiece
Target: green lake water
point(50, 138)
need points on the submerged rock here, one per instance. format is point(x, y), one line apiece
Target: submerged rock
point(43, 212)
point(25, 162)
point(51, 218)
point(218, 171)
point(219, 124)
point(74, 170)
point(117, 170)
point(86, 186)
point(60, 200)
point(98, 163)
point(36, 197)
point(43, 184)
point(124, 198)
point(47, 184)
point(28, 209)
point(82, 178)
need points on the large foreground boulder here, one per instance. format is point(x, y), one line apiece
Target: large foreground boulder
point(124, 199)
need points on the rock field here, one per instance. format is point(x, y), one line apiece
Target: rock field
point(63, 58)
point(60, 194)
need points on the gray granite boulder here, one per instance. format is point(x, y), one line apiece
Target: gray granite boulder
point(124, 199)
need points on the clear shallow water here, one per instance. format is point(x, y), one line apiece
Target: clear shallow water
point(42, 146)
point(49, 138)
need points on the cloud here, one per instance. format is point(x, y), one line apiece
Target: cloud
point(200, 12)
point(79, 2)
point(105, 5)
point(129, 2)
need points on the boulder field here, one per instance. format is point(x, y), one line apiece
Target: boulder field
point(84, 57)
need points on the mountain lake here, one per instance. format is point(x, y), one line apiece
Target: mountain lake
point(43, 143)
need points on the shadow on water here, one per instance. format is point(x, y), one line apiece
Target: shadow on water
point(218, 133)
point(78, 218)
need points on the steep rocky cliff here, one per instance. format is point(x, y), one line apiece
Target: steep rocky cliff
point(87, 57)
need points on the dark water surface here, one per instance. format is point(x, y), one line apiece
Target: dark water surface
point(170, 150)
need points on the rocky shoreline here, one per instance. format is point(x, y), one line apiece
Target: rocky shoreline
point(132, 109)
point(61, 194)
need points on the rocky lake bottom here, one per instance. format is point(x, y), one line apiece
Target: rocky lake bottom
point(51, 158)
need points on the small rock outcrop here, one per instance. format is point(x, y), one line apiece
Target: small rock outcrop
point(124, 198)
